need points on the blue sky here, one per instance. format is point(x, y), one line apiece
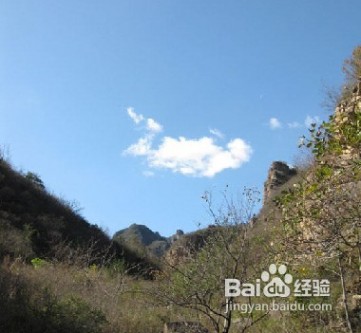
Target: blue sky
point(135, 108)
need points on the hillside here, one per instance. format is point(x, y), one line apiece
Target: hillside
point(280, 177)
point(145, 241)
point(301, 252)
point(35, 223)
point(138, 232)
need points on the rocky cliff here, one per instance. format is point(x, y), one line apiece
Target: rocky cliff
point(347, 112)
point(278, 174)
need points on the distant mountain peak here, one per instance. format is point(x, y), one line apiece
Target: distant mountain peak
point(140, 238)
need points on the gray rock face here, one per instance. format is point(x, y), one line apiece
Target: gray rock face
point(278, 174)
point(346, 112)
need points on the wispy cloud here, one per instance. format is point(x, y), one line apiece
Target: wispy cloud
point(137, 118)
point(274, 123)
point(216, 132)
point(200, 157)
point(153, 126)
point(141, 148)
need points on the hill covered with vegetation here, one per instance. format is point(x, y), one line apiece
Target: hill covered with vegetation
point(142, 240)
point(61, 274)
point(35, 223)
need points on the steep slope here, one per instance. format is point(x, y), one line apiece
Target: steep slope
point(34, 223)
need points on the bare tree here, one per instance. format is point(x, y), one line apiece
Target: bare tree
point(198, 283)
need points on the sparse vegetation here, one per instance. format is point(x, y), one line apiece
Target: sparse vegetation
point(194, 283)
point(321, 213)
point(61, 274)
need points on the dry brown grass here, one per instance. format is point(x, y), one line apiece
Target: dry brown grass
point(115, 295)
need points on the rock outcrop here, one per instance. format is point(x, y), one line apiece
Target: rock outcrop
point(278, 174)
point(347, 111)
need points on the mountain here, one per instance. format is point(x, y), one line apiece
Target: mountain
point(35, 223)
point(145, 241)
point(175, 248)
point(139, 233)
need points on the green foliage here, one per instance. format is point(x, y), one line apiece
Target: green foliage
point(116, 267)
point(38, 262)
point(86, 289)
point(321, 213)
point(76, 315)
point(336, 135)
point(197, 281)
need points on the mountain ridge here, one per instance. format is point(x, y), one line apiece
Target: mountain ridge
point(35, 223)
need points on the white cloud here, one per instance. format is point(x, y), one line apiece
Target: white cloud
point(195, 157)
point(274, 123)
point(137, 118)
point(191, 157)
point(294, 124)
point(312, 120)
point(141, 147)
point(199, 157)
point(216, 132)
point(153, 126)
